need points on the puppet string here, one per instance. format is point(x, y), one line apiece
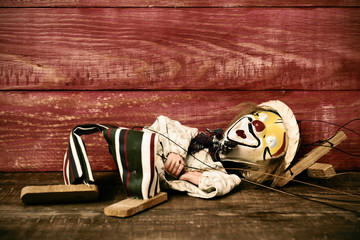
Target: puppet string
point(322, 200)
point(262, 185)
point(330, 123)
point(294, 180)
point(326, 201)
point(241, 169)
point(301, 196)
point(320, 142)
point(213, 168)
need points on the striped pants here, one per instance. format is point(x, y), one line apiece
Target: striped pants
point(133, 152)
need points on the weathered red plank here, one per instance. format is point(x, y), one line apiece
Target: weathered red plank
point(187, 48)
point(169, 3)
point(35, 126)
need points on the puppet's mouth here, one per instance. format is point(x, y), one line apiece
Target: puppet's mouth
point(243, 132)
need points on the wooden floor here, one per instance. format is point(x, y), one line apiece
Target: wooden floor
point(250, 212)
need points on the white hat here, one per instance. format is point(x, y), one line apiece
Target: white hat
point(291, 126)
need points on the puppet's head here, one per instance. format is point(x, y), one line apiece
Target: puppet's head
point(270, 131)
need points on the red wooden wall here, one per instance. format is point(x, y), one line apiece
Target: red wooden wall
point(64, 63)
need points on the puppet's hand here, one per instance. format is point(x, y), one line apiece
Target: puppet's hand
point(174, 164)
point(192, 176)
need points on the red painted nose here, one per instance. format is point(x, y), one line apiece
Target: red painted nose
point(259, 125)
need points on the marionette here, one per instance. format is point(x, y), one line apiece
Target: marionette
point(262, 139)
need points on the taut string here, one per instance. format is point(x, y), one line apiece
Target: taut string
point(294, 180)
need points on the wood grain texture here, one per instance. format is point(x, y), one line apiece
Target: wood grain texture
point(47, 194)
point(169, 3)
point(249, 212)
point(130, 206)
point(35, 126)
point(321, 171)
point(187, 48)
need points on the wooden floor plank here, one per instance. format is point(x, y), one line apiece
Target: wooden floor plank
point(188, 48)
point(248, 212)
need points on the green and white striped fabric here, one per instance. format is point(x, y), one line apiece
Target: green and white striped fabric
point(133, 152)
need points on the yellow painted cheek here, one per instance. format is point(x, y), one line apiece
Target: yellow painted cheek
point(277, 131)
point(279, 146)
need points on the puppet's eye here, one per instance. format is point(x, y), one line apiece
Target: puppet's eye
point(271, 141)
point(263, 116)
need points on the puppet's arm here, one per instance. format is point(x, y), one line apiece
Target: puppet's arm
point(218, 183)
point(191, 176)
point(210, 183)
point(174, 140)
point(174, 164)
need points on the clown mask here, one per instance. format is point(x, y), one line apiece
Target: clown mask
point(259, 136)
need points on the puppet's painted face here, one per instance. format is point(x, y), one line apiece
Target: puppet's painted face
point(259, 136)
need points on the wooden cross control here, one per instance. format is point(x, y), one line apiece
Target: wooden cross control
point(310, 158)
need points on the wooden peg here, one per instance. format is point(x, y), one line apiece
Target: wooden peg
point(129, 207)
point(59, 194)
point(310, 158)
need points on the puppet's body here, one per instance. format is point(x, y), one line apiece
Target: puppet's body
point(263, 138)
